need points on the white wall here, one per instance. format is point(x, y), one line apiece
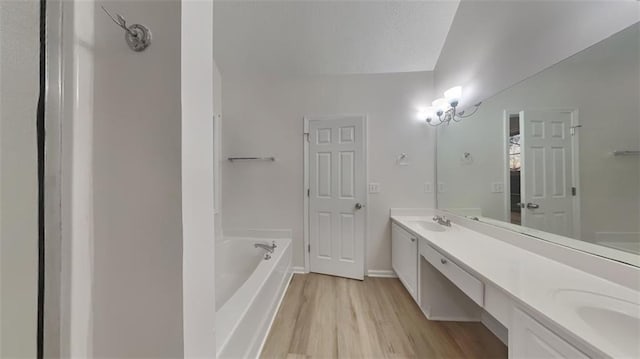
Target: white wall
point(137, 220)
point(494, 44)
point(19, 86)
point(264, 117)
point(198, 260)
point(602, 84)
point(330, 37)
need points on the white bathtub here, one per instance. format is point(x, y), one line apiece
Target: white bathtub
point(248, 289)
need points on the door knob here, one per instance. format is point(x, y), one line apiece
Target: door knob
point(359, 205)
point(532, 205)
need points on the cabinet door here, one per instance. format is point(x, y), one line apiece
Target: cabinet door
point(528, 339)
point(404, 258)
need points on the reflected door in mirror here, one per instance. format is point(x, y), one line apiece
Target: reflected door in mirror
point(547, 171)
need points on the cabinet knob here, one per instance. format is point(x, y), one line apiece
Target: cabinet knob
point(443, 261)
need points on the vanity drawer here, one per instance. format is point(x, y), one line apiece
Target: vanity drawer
point(469, 284)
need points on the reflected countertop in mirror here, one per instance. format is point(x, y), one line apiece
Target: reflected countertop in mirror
point(556, 155)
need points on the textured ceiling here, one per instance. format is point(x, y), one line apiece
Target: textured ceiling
point(330, 37)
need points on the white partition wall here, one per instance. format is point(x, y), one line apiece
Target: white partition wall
point(197, 180)
point(121, 260)
point(77, 220)
point(19, 86)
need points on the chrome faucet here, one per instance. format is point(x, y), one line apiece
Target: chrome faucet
point(266, 247)
point(442, 220)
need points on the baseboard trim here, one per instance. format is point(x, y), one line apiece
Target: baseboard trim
point(370, 273)
point(381, 273)
point(298, 270)
point(495, 327)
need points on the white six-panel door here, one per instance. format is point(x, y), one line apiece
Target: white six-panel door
point(547, 171)
point(337, 196)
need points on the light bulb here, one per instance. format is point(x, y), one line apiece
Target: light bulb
point(440, 105)
point(426, 113)
point(453, 95)
point(434, 120)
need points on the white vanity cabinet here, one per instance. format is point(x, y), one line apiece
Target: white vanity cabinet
point(404, 258)
point(529, 339)
point(466, 282)
point(447, 292)
point(460, 274)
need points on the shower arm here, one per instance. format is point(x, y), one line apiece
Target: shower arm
point(120, 21)
point(138, 36)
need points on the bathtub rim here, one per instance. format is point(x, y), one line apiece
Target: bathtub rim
point(272, 319)
point(283, 245)
point(259, 257)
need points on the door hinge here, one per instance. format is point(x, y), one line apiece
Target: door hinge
point(309, 248)
point(306, 134)
point(574, 191)
point(308, 192)
point(573, 129)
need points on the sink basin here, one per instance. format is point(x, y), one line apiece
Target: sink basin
point(614, 319)
point(429, 226)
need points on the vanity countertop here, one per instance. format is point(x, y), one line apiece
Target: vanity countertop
point(551, 289)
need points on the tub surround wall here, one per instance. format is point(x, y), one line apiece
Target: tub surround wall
point(264, 117)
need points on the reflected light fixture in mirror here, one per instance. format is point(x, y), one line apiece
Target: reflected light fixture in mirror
point(453, 95)
point(426, 112)
point(444, 110)
point(441, 106)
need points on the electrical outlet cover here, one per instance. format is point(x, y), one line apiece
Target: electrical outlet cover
point(497, 187)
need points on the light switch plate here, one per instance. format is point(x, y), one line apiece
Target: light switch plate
point(428, 187)
point(441, 187)
point(497, 187)
point(374, 187)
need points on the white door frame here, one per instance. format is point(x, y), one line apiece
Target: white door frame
point(305, 141)
point(575, 163)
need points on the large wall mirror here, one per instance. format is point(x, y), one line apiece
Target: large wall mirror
point(556, 156)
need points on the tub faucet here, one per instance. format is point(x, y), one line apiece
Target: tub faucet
point(442, 220)
point(266, 247)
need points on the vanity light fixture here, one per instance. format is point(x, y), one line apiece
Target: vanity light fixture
point(444, 110)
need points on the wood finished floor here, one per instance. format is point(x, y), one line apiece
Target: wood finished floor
point(329, 317)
